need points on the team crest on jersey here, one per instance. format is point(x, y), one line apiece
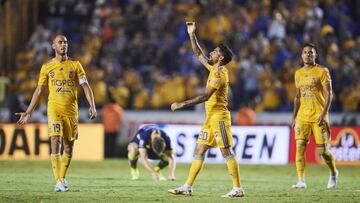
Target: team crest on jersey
point(71, 74)
point(313, 81)
point(52, 74)
point(61, 69)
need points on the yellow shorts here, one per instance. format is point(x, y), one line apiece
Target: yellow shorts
point(66, 127)
point(321, 133)
point(216, 133)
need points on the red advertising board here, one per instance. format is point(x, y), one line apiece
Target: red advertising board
point(344, 144)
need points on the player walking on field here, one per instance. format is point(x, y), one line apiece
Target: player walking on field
point(311, 107)
point(216, 130)
point(61, 76)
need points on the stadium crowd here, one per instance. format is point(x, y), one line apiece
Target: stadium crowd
point(138, 53)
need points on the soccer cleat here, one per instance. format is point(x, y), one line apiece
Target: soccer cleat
point(299, 184)
point(333, 180)
point(187, 191)
point(65, 183)
point(59, 187)
point(240, 192)
point(135, 174)
point(161, 176)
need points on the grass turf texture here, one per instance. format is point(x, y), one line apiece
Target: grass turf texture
point(109, 181)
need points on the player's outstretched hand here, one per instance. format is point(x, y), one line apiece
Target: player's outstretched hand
point(23, 118)
point(92, 113)
point(190, 27)
point(176, 105)
point(321, 120)
point(171, 178)
point(155, 176)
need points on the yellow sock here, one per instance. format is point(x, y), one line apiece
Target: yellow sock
point(300, 158)
point(233, 168)
point(132, 160)
point(55, 163)
point(195, 168)
point(328, 158)
point(65, 163)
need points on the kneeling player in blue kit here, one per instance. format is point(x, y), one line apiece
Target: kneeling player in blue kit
point(150, 142)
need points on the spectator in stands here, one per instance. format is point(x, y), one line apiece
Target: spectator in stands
point(112, 117)
point(125, 38)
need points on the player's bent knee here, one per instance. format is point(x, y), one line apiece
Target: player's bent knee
point(201, 149)
point(301, 142)
point(321, 150)
point(226, 152)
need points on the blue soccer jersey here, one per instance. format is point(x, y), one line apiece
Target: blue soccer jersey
point(143, 139)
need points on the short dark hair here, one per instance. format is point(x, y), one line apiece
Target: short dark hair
point(226, 52)
point(158, 145)
point(311, 45)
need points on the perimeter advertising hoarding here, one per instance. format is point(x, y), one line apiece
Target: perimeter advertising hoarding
point(344, 144)
point(252, 144)
point(32, 142)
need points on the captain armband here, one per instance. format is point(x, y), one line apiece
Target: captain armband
point(82, 80)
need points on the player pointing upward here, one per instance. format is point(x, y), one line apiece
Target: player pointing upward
point(216, 130)
point(61, 76)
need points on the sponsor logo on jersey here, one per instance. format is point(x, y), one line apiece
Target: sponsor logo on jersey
point(55, 82)
point(60, 89)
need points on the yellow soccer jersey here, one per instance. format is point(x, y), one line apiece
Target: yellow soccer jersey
point(312, 101)
point(62, 79)
point(218, 79)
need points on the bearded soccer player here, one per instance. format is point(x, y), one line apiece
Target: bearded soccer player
point(310, 116)
point(216, 130)
point(61, 76)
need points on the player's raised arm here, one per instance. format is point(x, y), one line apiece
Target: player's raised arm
point(195, 45)
point(24, 116)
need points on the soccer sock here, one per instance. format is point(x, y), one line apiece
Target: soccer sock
point(132, 160)
point(233, 168)
point(65, 163)
point(195, 168)
point(328, 158)
point(300, 158)
point(55, 163)
point(162, 164)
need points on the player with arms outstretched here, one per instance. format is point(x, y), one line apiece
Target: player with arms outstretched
point(150, 142)
point(311, 113)
point(61, 76)
point(216, 130)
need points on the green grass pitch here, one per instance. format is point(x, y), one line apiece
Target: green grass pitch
point(109, 181)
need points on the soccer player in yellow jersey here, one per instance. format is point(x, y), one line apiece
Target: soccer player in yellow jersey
point(311, 113)
point(61, 76)
point(216, 130)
